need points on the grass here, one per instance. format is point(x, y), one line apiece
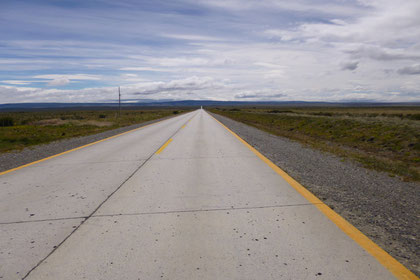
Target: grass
point(19, 130)
point(382, 138)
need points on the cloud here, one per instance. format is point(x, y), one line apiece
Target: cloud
point(283, 35)
point(410, 70)
point(190, 84)
point(323, 7)
point(349, 65)
point(179, 61)
point(386, 23)
point(144, 69)
point(16, 82)
point(59, 82)
point(380, 53)
point(56, 80)
point(211, 49)
point(69, 77)
point(132, 78)
point(259, 96)
point(191, 37)
point(191, 87)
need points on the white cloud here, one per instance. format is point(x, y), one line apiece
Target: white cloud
point(152, 69)
point(283, 35)
point(189, 88)
point(191, 37)
point(59, 82)
point(16, 82)
point(179, 61)
point(132, 78)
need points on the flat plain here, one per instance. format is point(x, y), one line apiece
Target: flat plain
point(19, 130)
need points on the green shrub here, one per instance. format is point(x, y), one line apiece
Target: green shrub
point(415, 117)
point(6, 121)
point(327, 114)
point(279, 111)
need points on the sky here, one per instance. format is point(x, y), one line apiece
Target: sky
point(243, 50)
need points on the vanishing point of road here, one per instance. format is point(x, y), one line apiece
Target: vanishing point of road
point(184, 198)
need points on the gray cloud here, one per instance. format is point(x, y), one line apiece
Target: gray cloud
point(378, 53)
point(410, 70)
point(350, 65)
point(258, 96)
point(187, 86)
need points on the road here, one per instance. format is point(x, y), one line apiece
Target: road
point(178, 199)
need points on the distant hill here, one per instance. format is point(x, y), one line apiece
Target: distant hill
point(188, 103)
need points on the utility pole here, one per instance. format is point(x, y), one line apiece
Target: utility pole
point(119, 102)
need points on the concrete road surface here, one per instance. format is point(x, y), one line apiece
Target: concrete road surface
point(199, 206)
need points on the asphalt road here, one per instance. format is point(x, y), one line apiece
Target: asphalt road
point(179, 199)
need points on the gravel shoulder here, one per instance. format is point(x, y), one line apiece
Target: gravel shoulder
point(17, 158)
point(384, 208)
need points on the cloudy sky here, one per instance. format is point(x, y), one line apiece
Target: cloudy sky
point(313, 50)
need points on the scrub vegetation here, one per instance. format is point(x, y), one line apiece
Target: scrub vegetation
point(23, 129)
point(382, 138)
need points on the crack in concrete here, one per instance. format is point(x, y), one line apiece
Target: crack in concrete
point(166, 212)
point(44, 220)
point(206, 210)
point(106, 199)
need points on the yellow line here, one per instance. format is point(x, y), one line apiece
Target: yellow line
point(75, 149)
point(164, 146)
point(183, 126)
point(396, 268)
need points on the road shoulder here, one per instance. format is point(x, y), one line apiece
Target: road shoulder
point(383, 208)
point(15, 159)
